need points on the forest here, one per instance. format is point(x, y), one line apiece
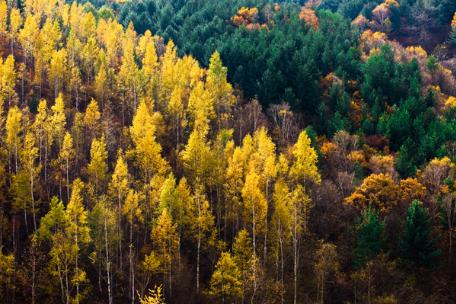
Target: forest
point(241, 151)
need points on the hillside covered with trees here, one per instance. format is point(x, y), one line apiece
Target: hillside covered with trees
point(244, 151)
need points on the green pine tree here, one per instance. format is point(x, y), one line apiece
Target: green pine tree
point(370, 240)
point(418, 247)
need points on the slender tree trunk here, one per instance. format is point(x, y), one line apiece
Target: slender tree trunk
point(295, 256)
point(170, 270)
point(199, 246)
point(67, 180)
point(45, 162)
point(123, 111)
point(77, 260)
point(254, 283)
point(281, 263)
point(33, 273)
point(108, 263)
point(119, 219)
point(265, 248)
point(22, 88)
point(253, 228)
point(62, 288)
point(219, 208)
point(41, 146)
point(33, 197)
point(15, 146)
point(67, 291)
point(132, 274)
point(99, 267)
point(198, 265)
point(177, 131)
point(25, 217)
point(77, 98)
point(15, 254)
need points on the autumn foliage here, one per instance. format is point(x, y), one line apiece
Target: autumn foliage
point(309, 17)
point(130, 172)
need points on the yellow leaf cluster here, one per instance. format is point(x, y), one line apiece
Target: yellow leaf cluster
point(309, 17)
point(450, 102)
point(357, 156)
point(245, 16)
point(417, 51)
point(412, 189)
point(377, 191)
point(327, 148)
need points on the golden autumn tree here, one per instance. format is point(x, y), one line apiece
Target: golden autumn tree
point(27, 35)
point(68, 234)
point(166, 244)
point(155, 296)
point(98, 167)
point(200, 106)
point(101, 79)
point(62, 254)
point(119, 188)
point(176, 108)
point(57, 121)
point(263, 160)
point(149, 65)
point(255, 206)
point(3, 17)
point(8, 80)
point(103, 219)
point(378, 191)
point(234, 175)
point(299, 207)
point(79, 231)
point(65, 159)
point(40, 130)
point(13, 133)
point(14, 26)
point(245, 16)
point(411, 189)
point(29, 155)
point(219, 89)
point(225, 284)
point(147, 150)
point(309, 17)
point(168, 73)
point(58, 69)
point(197, 157)
point(132, 211)
point(92, 117)
point(127, 77)
point(281, 223)
point(201, 224)
point(247, 262)
point(304, 164)
point(303, 169)
point(158, 176)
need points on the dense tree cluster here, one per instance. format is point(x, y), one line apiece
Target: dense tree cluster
point(130, 172)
